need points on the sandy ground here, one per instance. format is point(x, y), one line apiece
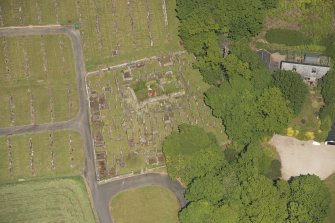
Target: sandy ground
point(302, 157)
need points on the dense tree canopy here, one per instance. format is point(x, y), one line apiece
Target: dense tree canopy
point(204, 22)
point(239, 191)
point(309, 200)
point(190, 152)
point(293, 88)
point(327, 114)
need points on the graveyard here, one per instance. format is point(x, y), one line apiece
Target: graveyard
point(40, 155)
point(112, 31)
point(134, 107)
point(58, 200)
point(37, 81)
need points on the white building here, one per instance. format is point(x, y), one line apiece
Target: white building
point(310, 72)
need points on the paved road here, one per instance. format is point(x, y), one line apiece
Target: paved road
point(101, 194)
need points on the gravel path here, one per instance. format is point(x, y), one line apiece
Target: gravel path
point(302, 157)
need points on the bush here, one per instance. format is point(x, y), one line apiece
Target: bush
point(287, 37)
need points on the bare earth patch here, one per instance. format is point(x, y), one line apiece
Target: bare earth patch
point(302, 157)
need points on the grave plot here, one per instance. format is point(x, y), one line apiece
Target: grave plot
point(134, 108)
point(39, 155)
point(37, 81)
point(112, 31)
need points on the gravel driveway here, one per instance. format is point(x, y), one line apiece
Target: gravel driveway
point(302, 157)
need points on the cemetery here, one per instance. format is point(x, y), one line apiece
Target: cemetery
point(40, 155)
point(38, 81)
point(133, 108)
point(112, 31)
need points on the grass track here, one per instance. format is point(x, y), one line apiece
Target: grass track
point(145, 205)
point(61, 200)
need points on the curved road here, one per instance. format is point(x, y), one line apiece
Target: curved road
point(101, 194)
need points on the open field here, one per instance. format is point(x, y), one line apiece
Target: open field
point(37, 80)
point(145, 205)
point(133, 109)
point(330, 182)
point(112, 31)
point(60, 200)
point(40, 155)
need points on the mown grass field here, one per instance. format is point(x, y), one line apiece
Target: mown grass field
point(112, 31)
point(61, 200)
point(135, 134)
point(330, 182)
point(37, 81)
point(52, 155)
point(145, 205)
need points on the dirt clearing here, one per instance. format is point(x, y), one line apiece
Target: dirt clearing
point(302, 157)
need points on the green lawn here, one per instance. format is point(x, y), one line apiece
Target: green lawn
point(330, 182)
point(145, 205)
point(38, 80)
point(60, 200)
point(68, 160)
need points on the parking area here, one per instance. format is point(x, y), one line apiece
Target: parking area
point(302, 157)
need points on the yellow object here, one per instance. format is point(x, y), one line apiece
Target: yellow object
point(290, 131)
point(310, 135)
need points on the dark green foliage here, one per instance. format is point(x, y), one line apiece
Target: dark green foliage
point(327, 113)
point(293, 88)
point(246, 18)
point(274, 110)
point(252, 161)
point(327, 87)
point(236, 106)
point(274, 171)
point(327, 116)
point(190, 152)
point(261, 201)
point(309, 199)
point(287, 37)
point(239, 191)
point(202, 21)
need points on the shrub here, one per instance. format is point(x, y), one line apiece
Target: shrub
point(287, 37)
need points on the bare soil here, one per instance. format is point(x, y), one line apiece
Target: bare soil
point(302, 157)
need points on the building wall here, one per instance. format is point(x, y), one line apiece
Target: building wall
point(306, 70)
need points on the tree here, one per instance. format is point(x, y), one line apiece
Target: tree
point(274, 109)
point(327, 87)
point(309, 201)
point(293, 88)
point(190, 152)
point(261, 201)
point(221, 187)
point(234, 103)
